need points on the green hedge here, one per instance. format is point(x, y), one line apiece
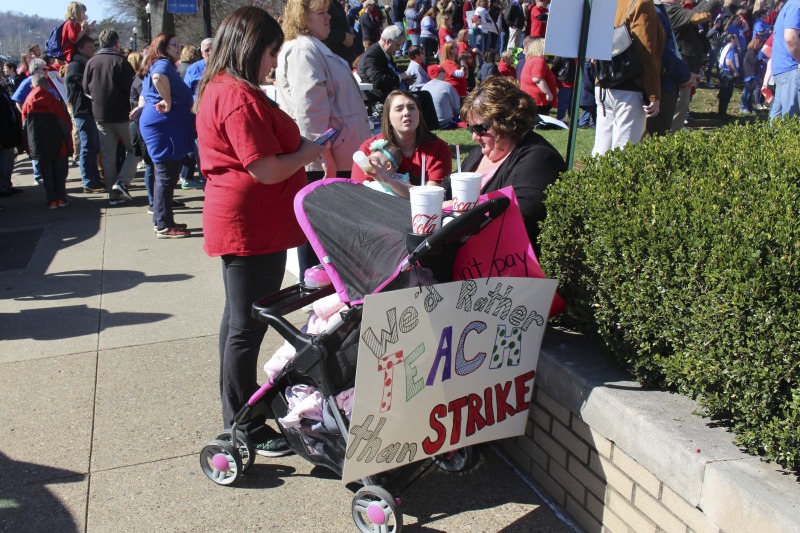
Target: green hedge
point(683, 255)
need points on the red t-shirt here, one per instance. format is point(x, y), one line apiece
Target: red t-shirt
point(69, 36)
point(438, 162)
point(460, 84)
point(509, 71)
point(536, 67)
point(237, 125)
point(444, 32)
point(538, 27)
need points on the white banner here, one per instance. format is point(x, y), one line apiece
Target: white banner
point(444, 367)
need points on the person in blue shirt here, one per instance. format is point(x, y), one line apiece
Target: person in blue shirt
point(195, 70)
point(785, 51)
point(192, 78)
point(729, 71)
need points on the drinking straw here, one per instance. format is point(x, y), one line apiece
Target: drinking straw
point(458, 157)
point(422, 178)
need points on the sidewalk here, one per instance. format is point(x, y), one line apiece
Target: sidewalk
point(108, 387)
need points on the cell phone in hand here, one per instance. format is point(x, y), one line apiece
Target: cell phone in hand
point(328, 137)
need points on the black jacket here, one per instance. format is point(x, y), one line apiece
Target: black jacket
point(339, 28)
point(10, 123)
point(47, 135)
point(692, 43)
point(375, 67)
point(81, 105)
point(530, 168)
point(107, 80)
point(515, 18)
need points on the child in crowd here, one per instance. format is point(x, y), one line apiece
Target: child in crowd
point(49, 131)
point(386, 156)
point(489, 67)
point(506, 65)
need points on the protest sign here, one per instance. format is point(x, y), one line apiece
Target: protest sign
point(443, 367)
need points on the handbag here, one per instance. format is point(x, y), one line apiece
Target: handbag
point(625, 64)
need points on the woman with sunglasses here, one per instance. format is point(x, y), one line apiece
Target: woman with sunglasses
point(501, 117)
point(402, 126)
point(167, 126)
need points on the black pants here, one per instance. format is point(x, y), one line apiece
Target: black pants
point(726, 82)
point(246, 279)
point(167, 173)
point(661, 124)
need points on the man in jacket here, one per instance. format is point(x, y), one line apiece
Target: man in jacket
point(107, 81)
point(692, 46)
point(82, 113)
point(377, 64)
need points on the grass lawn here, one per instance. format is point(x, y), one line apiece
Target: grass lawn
point(703, 115)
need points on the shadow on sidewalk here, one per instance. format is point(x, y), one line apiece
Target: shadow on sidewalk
point(26, 503)
point(87, 283)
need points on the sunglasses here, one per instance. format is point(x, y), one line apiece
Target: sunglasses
point(479, 129)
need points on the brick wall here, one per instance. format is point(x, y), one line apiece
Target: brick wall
point(594, 481)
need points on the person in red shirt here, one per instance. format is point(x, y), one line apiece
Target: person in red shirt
point(456, 69)
point(538, 18)
point(76, 26)
point(253, 158)
point(401, 126)
point(445, 20)
point(537, 79)
point(506, 65)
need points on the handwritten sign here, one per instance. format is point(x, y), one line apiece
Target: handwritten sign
point(501, 249)
point(443, 367)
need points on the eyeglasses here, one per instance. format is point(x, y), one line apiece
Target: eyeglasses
point(479, 129)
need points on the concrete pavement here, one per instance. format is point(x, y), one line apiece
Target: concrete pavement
point(108, 388)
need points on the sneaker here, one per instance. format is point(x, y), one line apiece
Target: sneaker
point(191, 184)
point(150, 209)
point(122, 188)
point(52, 205)
point(62, 203)
point(172, 233)
point(116, 201)
point(177, 204)
point(93, 190)
point(39, 181)
point(274, 447)
point(179, 226)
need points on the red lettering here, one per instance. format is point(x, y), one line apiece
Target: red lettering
point(501, 392)
point(475, 421)
point(459, 206)
point(455, 407)
point(487, 401)
point(522, 389)
point(423, 224)
point(433, 446)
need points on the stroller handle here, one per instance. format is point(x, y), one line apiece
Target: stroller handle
point(270, 309)
point(465, 225)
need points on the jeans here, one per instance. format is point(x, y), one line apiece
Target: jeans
point(110, 135)
point(787, 98)
point(54, 177)
point(502, 41)
point(167, 173)
point(7, 156)
point(90, 146)
point(245, 279)
point(748, 94)
point(564, 102)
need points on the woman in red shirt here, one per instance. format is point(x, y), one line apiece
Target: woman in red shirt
point(537, 79)
point(445, 20)
point(401, 125)
point(456, 74)
point(253, 159)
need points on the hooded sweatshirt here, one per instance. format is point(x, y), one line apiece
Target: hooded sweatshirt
point(47, 124)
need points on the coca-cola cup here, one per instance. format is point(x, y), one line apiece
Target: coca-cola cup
point(466, 187)
point(426, 209)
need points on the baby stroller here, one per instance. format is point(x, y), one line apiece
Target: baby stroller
point(357, 249)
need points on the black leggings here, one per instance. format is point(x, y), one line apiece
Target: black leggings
point(246, 279)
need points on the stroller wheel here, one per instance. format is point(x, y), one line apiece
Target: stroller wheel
point(455, 460)
point(246, 450)
point(221, 462)
point(375, 511)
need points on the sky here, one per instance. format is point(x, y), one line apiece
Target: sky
point(55, 8)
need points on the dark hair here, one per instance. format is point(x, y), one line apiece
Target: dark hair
point(414, 51)
point(503, 105)
point(239, 44)
point(157, 50)
point(490, 56)
point(11, 64)
point(83, 41)
point(108, 38)
point(423, 133)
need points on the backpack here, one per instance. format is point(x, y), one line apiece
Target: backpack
point(625, 64)
point(53, 45)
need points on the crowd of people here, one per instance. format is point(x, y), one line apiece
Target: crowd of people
point(478, 65)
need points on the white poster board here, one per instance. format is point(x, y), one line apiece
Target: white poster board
point(564, 28)
point(444, 367)
point(59, 84)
